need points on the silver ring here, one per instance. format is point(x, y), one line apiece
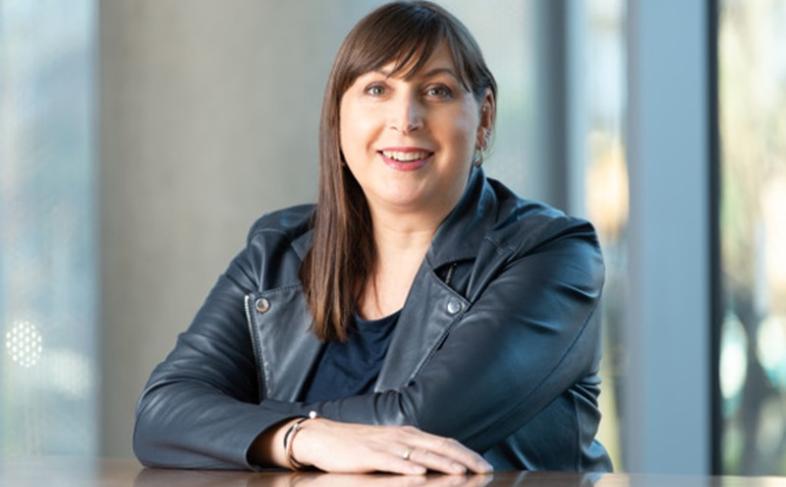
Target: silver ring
point(407, 454)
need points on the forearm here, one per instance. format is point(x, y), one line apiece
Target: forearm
point(268, 448)
point(191, 425)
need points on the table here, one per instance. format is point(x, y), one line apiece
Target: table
point(67, 472)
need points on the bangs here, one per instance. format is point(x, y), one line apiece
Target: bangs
point(406, 37)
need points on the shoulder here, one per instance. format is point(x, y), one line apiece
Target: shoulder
point(523, 226)
point(275, 246)
point(286, 224)
point(538, 241)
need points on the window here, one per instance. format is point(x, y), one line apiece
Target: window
point(48, 374)
point(752, 109)
point(606, 193)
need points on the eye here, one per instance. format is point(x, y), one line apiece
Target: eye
point(440, 91)
point(375, 90)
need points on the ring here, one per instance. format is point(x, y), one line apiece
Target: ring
point(407, 454)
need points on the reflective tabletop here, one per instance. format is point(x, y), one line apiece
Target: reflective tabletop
point(65, 471)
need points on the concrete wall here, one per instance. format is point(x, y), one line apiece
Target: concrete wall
point(208, 117)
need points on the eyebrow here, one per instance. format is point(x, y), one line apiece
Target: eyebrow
point(427, 74)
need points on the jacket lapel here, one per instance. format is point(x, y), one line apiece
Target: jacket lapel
point(430, 309)
point(288, 348)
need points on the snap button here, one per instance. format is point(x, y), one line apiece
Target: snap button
point(262, 305)
point(454, 306)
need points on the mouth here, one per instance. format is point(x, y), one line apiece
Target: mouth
point(409, 160)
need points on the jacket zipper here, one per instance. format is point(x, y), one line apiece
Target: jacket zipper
point(254, 348)
point(450, 274)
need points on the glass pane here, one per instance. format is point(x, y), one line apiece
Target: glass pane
point(48, 374)
point(606, 189)
point(752, 97)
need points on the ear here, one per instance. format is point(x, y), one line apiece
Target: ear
point(488, 112)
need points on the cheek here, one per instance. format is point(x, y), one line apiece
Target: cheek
point(461, 134)
point(357, 128)
point(459, 124)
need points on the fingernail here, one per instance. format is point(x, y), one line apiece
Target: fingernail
point(458, 468)
point(418, 469)
point(483, 466)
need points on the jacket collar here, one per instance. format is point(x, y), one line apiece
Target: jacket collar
point(453, 241)
point(460, 234)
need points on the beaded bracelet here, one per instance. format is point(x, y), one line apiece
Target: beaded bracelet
point(289, 439)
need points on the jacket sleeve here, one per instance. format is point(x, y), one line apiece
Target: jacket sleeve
point(526, 339)
point(200, 409)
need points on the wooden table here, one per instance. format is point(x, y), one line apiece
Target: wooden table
point(67, 472)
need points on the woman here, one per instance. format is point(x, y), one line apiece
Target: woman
point(419, 316)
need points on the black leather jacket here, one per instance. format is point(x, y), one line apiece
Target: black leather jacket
point(496, 345)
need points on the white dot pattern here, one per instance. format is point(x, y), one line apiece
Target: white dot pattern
point(24, 343)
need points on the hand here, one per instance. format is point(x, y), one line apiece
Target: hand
point(358, 448)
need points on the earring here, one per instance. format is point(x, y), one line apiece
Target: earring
point(477, 159)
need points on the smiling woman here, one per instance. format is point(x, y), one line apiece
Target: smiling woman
point(349, 335)
point(430, 124)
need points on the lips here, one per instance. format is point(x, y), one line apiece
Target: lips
point(423, 158)
point(406, 158)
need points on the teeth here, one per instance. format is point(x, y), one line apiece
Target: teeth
point(406, 156)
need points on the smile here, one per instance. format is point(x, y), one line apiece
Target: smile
point(405, 161)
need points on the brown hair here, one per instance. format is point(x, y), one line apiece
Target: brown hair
point(342, 256)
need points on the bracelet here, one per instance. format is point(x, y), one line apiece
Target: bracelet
point(289, 439)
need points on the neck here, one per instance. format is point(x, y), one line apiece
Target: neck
point(403, 237)
point(401, 243)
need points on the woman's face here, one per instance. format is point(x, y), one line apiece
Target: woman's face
point(410, 144)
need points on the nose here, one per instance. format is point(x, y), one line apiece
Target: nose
point(406, 114)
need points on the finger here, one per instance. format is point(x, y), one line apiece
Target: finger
point(450, 448)
point(395, 463)
point(435, 461)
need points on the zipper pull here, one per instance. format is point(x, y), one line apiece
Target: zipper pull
point(449, 276)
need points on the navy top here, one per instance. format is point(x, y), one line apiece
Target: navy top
point(351, 368)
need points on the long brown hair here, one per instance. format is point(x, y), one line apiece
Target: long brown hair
point(342, 256)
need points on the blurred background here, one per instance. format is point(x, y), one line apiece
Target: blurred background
point(140, 139)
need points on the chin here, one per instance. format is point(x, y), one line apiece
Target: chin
point(400, 193)
point(404, 201)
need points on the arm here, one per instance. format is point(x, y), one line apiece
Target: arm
point(526, 339)
point(199, 408)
